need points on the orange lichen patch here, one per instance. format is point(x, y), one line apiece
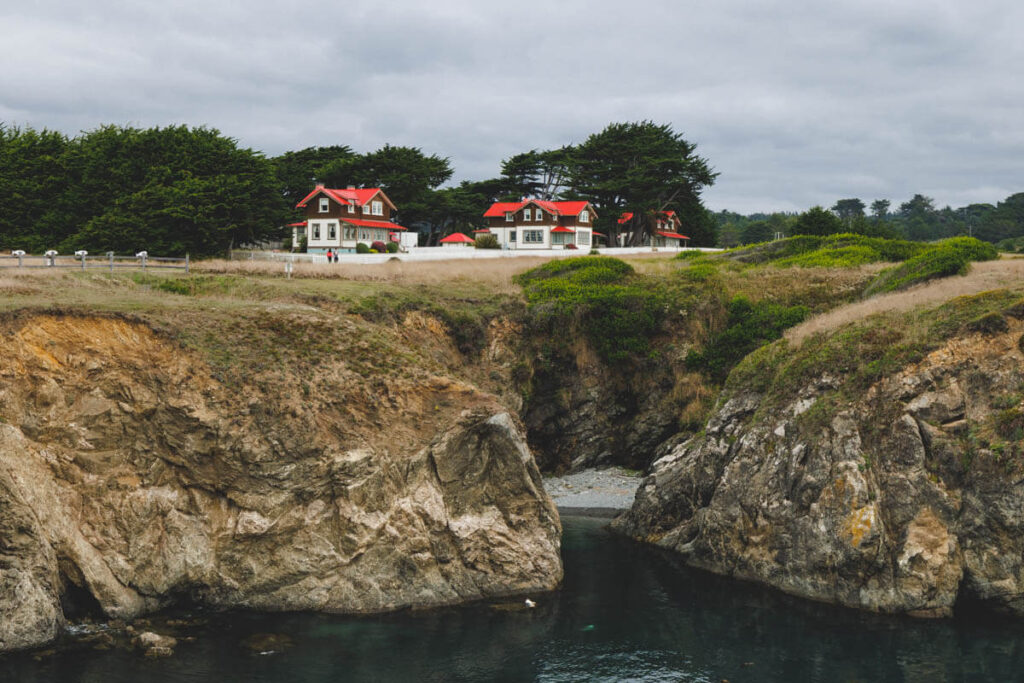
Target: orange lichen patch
point(859, 523)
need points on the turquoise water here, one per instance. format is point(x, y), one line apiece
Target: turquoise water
point(626, 613)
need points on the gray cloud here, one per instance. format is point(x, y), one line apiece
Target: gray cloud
point(795, 103)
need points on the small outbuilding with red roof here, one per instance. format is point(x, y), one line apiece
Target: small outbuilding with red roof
point(542, 224)
point(338, 219)
point(457, 239)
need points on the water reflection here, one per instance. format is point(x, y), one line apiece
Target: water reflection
point(626, 612)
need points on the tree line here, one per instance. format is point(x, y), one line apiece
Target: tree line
point(179, 189)
point(183, 189)
point(916, 219)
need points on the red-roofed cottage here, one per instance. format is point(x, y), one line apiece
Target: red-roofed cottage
point(541, 224)
point(666, 231)
point(339, 219)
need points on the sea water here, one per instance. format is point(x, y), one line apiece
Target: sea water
point(626, 612)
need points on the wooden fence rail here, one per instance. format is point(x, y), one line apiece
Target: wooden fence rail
point(109, 261)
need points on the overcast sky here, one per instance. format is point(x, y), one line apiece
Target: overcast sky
point(794, 103)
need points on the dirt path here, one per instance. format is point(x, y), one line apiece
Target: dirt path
point(1006, 272)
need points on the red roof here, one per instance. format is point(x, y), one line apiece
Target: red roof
point(627, 216)
point(372, 224)
point(357, 196)
point(562, 228)
point(296, 225)
point(457, 238)
point(674, 235)
point(481, 230)
point(499, 209)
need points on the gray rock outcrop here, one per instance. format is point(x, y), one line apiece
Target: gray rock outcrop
point(130, 472)
point(892, 502)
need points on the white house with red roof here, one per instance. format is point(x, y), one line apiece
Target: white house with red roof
point(339, 219)
point(666, 230)
point(542, 224)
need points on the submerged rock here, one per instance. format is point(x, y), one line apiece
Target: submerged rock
point(892, 502)
point(132, 478)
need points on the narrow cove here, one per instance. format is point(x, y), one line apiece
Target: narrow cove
point(626, 611)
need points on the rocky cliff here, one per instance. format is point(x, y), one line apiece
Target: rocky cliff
point(134, 476)
point(875, 470)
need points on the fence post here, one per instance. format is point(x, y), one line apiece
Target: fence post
point(186, 263)
point(110, 256)
point(20, 253)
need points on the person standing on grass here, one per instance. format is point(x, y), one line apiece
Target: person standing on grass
point(330, 255)
point(335, 257)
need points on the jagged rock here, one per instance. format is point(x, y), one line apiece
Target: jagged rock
point(155, 645)
point(128, 470)
point(886, 505)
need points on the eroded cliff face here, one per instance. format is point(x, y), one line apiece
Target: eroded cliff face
point(893, 502)
point(130, 471)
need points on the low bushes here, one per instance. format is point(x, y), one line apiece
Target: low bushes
point(948, 257)
point(486, 241)
point(362, 248)
point(749, 326)
point(617, 310)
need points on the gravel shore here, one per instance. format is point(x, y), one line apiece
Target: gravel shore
point(604, 492)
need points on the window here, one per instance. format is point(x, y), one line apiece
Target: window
point(526, 214)
point(316, 231)
point(508, 217)
point(350, 233)
point(583, 238)
point(325, 205)
point(332, 231)
point(364, 234)
point(366, 208)
point(351, 208)
point(584, 216)
point(512, 236)
point(540, 216)
point(533, 236)
point(378, 208)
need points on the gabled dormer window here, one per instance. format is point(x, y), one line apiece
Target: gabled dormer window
point(378, 208)
point(508, 217)
point(526, 214)
point(366, 209)
point(325, 205)
point(351, 208)
point(584, 216)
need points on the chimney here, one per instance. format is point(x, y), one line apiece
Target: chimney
point(319, 186)
point(351, 187)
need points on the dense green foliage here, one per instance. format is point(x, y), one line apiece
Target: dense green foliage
point(617, 310)
point(840, 250)
point(486, 241)
point(949, 257)
point(166, 190)
point(916, 219)
point(749, 326)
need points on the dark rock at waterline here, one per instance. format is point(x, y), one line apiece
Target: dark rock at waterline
point(259, 643)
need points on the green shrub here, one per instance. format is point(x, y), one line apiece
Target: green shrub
point(618, 311)
point(392, 247)
point(749, 326)
point(990, 323)
point(362, 248)
point(699, 272)
point(690, 254)
point(973, 249)
point(843, 257)
point(486, 241)
point(940, 261)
